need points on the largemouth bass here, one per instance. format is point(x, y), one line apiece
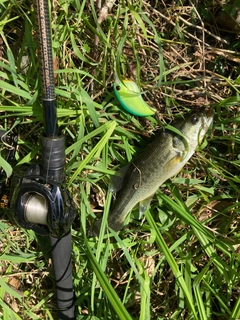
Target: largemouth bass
point(163, 158)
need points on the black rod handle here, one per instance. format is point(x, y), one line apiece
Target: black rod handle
point(62, 264)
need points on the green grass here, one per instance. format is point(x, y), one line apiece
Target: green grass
point(181, 260)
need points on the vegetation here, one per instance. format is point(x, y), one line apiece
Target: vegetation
point(181, 260)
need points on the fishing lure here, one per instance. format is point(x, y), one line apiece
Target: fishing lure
point(130, 98)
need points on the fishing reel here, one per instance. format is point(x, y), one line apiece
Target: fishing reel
point(38, 199)
point(40, 205)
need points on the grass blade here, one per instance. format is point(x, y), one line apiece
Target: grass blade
point(108, 289)
point(95, 151)
point(172, 263)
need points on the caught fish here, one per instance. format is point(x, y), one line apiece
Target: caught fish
point(160, 160)
point(130, 98)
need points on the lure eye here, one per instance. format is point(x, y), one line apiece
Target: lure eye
point(194, 119)
point(117, 88)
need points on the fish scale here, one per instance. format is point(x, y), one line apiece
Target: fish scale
point(160, 160)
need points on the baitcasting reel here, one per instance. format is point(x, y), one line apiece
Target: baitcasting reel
point(37, 204)
point(38, 200)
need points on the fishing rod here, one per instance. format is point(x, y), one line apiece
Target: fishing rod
point(39, 200)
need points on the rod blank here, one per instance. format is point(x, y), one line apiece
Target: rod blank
point(45, 45)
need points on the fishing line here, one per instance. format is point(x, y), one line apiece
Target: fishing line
point(136, 186)
point(36, 209)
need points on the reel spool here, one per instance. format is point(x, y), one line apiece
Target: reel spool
point(36, 209)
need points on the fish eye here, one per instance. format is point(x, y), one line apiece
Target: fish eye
point(117, 88)
point(194, 119)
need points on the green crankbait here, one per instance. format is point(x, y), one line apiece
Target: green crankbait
point(130, 98)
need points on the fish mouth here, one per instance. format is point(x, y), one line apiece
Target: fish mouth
point(206, 112)
point(209, 113)
point(207, 118)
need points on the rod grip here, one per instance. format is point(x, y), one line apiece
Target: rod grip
point(62, 264)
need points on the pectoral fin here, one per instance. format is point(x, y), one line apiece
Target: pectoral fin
point(175, 163)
